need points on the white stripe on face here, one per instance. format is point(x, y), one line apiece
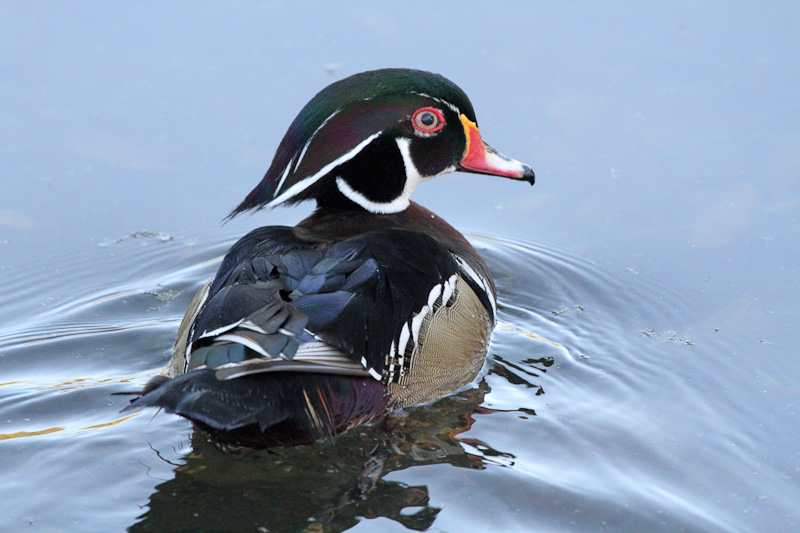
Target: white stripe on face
point(303, 184)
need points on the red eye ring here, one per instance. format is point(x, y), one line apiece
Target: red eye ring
point(427, 120)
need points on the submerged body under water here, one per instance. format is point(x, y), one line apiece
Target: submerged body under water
point(597, 408)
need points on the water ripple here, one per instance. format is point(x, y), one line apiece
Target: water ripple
point(595, 385)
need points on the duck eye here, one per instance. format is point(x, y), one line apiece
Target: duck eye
point(428, 120)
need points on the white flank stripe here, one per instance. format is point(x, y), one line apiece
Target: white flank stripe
point(416, 322)
point(436, 291)
point(405, 333)
point(447, 290)
point(390, 359)
point(374, 373)
point(306, 182)
point(477, 278)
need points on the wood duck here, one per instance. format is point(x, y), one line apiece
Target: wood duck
point(372, 303)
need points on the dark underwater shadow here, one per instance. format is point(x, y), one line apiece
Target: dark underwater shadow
point(322, 487)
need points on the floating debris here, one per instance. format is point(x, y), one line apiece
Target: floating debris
point(564, 310)
point(163, 237)
point(667, 336)
point(165, 296)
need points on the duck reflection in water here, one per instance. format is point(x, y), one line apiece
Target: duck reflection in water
point(323, 487)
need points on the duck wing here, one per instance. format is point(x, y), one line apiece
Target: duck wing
point(294, 331)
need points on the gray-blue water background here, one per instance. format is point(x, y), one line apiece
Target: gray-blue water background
point(654, 263)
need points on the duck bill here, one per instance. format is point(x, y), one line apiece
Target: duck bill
point(481, 158)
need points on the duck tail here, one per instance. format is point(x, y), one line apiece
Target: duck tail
point(270, 409)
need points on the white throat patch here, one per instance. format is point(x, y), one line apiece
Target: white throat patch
point(413, 178)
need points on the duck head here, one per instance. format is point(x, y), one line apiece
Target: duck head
point(370, 139)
